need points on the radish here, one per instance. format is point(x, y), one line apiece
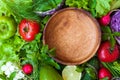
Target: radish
point(27, 68)
point(104, 73)
point(105, 20)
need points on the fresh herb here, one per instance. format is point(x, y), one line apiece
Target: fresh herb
point(90, 69)
point(37, 54)
point(113, 67)
point(107, 34)
point(12, 76)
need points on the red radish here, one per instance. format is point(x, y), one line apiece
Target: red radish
point(106, 53)
point(27, 69)
point(104, 73)
point(105, 20)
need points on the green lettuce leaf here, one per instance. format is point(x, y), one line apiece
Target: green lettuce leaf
point(44, 5)
point(6, 11)
point(115, 4)
point(9, 49)
point(102, 7)
point(78, 3)
point(20, 9)
point(97, 8)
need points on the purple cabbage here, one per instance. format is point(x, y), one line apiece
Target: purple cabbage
point(115, 24)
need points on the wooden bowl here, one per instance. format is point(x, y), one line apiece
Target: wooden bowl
point(75, 35)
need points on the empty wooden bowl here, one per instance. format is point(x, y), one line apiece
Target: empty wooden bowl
point(75, 35)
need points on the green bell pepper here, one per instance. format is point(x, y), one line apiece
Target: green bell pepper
point(7, 27)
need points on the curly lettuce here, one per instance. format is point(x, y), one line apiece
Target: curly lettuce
point(102, 7)
point(5, 10)
point(9, 49)
point(97, 8)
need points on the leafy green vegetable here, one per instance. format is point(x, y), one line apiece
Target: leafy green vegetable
point(44, 21)
point(3, 77)
point(97, 8)
point(108, 35)
point(92, 7)
point(94, 62)
point(9, 49)
point(21, 9)
point(37, 54)
point(106, 78)
point(90, 69)
point(6, 11)
point(44, 5)
point(45, 58)
point(113, 67)
point(102, 7)
point(12, 76)
point(26, 8)
point(30, 54)
point(115, 4)
point(77, 3)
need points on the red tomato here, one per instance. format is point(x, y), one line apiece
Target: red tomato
point(104, 73)
point(105, 54)
point(28, 29)
point(27, 68)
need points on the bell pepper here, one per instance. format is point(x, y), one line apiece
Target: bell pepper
point(7, 27)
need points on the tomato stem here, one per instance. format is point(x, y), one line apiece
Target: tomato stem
point(111, 50)
point(26, 29)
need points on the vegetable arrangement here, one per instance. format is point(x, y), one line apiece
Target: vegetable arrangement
point(23, 56)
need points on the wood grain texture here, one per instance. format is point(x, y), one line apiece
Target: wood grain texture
point(75, 35)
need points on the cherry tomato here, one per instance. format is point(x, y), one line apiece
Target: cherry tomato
point(27, 68)
point(104, 73)
point(106, 53)
point(28, 29)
